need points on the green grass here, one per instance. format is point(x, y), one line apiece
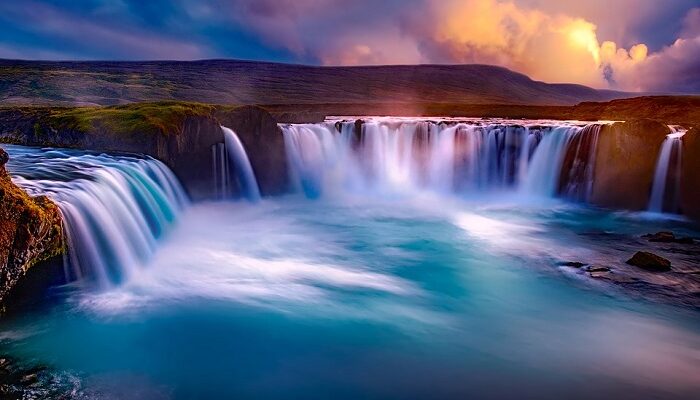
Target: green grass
point(137, 118)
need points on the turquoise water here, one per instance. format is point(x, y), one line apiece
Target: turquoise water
point(420, 297)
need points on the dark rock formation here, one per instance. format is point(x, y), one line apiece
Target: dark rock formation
point(572, 264)
point(188, 153)
point(690, 174)
point(649, 262)
point(30, 231)
point(668, 237)
point(179, 134)
point(264, 143)
point(625, 163)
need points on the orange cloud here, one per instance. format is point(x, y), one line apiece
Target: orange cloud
point(548, 41)
point(547, 47)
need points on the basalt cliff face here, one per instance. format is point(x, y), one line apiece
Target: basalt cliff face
point(179, 134)
point(625, 162)
point(264, 143)
point(30, 231)
point(690, 174)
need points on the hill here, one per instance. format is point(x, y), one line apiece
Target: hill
point(246, 82)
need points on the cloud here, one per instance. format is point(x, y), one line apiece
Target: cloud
point(643, 45)
point(691, 24)
point(552, 47)
point(84, 33)
point(674, 68)
point(378, 47)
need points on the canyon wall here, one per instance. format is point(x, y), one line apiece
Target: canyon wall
point(625, 163)
point(690, 174)
point(180, 135)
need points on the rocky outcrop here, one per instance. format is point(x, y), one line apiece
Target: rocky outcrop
point(625, 163)
point(690, 174)
point(264, 143)
point(30, 231)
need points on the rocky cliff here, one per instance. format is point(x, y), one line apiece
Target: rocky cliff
point(625, 163)
point(30, 231)
point(179, 134)
point(264, 143)
point(690, 174)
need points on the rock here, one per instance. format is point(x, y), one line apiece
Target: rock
point(650, 262)
point(572, 264)
point(598, 268)
point(29, 379)
point(600, 275)
point(661, 237)
point(668, 237)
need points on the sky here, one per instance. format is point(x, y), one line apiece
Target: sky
point(634, 45)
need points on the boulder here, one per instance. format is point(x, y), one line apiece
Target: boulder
point(649, 262)
point(625, 163)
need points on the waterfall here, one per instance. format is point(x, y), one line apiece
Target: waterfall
point(546, 165)
point(400, 155)
point(232, 157)
point(114, 208)
point(665, 192)
point(576, 181)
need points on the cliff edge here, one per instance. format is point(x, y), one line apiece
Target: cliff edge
point(30, 231)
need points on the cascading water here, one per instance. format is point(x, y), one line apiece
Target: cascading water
point(232, 168)
point(114, 208)
point(396, 155)
point(576, 181)
point(665, 192)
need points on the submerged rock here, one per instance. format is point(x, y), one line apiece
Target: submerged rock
point(650, 262)
point(661, 237)
point(572, 264)
point(598, 268)
point(668, 237)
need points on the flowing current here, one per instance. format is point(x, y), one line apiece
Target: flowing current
point(114, 208)
point(665, 192)
point(394, 282)
point(231, 168)
point(382, 155)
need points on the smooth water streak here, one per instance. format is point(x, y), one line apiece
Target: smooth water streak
point(665, 192)
point(399, 156)
point(235, 159)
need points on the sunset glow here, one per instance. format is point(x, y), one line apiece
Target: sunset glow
point(637, 45)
